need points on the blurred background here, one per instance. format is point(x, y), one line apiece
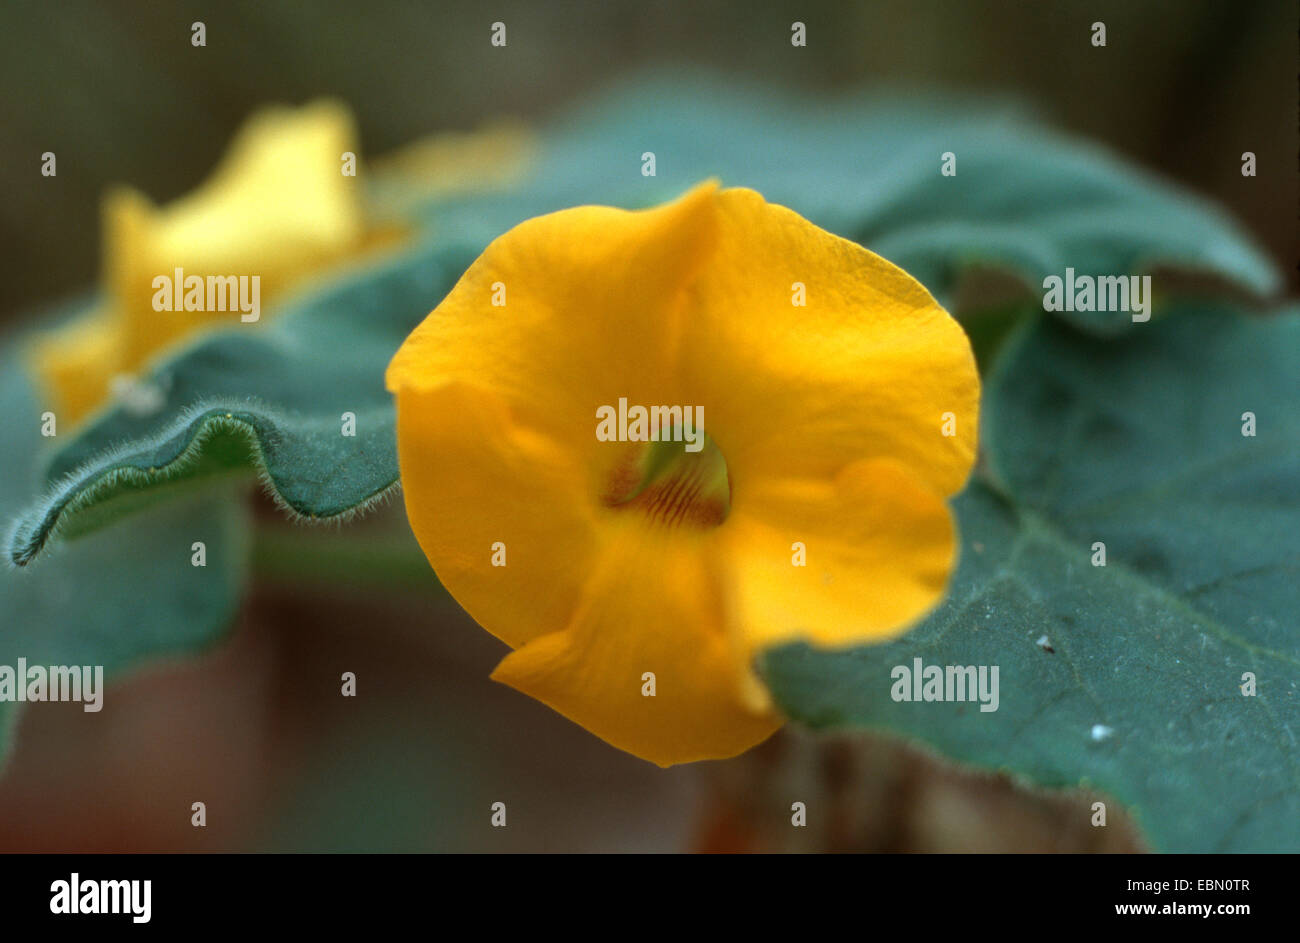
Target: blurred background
point(257, 729)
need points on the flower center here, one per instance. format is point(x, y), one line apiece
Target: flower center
point(670, 486)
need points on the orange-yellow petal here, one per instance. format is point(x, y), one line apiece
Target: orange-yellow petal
point(868, 367)
point(589, 311)
point(841, 562)
point(475, 476)
point(654, 612)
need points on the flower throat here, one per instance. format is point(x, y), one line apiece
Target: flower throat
point(671, 487)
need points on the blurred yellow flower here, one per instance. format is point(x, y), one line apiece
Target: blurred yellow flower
point(637, 579)
point(278, 206)
point(495, 156)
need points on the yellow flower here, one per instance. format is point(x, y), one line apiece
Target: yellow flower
point(619, 568)
point(278, 206)
point(496, 156)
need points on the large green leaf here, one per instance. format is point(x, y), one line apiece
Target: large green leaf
point(1138, 445)
point(121, 596)
point(265, 400)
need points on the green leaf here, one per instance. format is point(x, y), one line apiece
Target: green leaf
point(124, 595)
point(1138, 445)
point(258, 400)
point(867, 167)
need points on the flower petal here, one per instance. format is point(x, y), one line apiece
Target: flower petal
point(494, 157)
point(592, 306)
point(475, 475)
point(866, 369)
point(277, 206)
point(877, 547)
point(653, 604)
point(76, 362)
